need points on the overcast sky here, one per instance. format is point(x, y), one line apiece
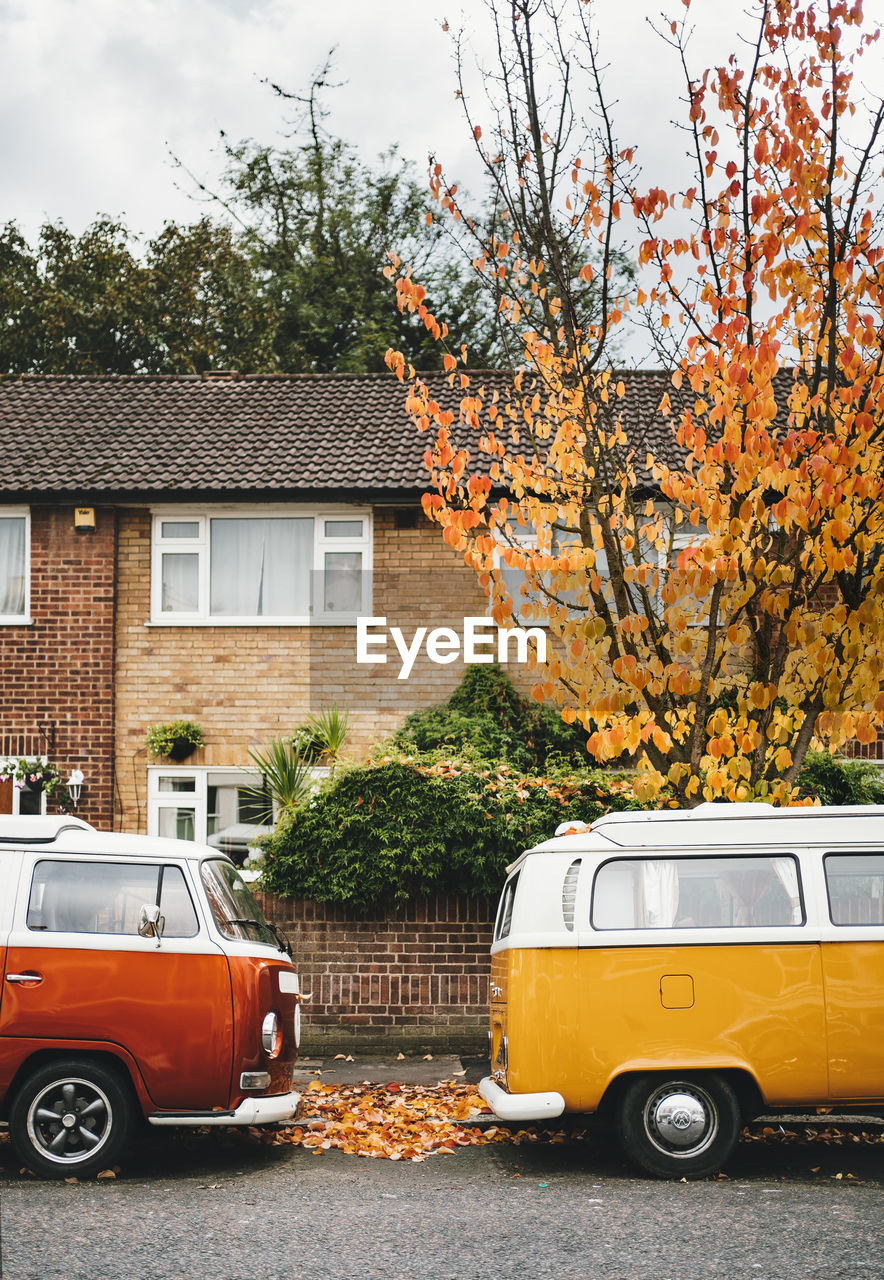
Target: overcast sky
point(95, 93)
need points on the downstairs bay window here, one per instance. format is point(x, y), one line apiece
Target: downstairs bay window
point(269, 564)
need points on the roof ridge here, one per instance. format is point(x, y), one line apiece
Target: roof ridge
point(211, 376)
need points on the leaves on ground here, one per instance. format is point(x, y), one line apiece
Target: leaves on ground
point(397, 1121)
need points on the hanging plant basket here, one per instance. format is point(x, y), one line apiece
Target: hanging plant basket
point(174, 741)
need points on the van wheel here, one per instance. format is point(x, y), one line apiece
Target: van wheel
point(71, 1118)
point(681, 1126)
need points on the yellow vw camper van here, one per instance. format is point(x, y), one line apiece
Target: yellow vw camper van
point(683, 971)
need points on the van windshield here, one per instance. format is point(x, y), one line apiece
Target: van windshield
point(236, 912)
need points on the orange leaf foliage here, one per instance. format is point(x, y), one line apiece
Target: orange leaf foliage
point(718, 635)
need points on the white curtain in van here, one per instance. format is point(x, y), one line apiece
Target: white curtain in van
point(660, 893)
point(787, 874)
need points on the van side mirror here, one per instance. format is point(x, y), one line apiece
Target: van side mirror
point(151, 923)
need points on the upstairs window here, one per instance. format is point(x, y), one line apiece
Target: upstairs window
point(14, 564)
point(290, 565)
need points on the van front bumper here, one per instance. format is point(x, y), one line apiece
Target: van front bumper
point(520, 1106)
point(281, 1106)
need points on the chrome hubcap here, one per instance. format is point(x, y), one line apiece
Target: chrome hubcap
point(681, 1119)
point(69, 1121)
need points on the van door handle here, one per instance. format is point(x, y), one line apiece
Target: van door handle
point(32, 978)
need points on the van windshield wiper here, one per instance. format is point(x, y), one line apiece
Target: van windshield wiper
point(284, 944)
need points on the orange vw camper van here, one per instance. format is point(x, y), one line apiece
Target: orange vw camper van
point(683, 971)
point(139, 975)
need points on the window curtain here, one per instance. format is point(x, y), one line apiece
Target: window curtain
point(261, 567)
point(12, 566)
point(180, 583)
point(748, 881)
point(787, 874)
point(659, 882)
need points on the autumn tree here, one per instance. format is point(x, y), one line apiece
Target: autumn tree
point(717, 599)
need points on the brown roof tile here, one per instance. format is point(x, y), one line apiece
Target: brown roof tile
point(286, 436)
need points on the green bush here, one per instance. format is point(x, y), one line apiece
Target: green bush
point(832, 781)
point(486, 719)
point(462, 790)
point(384, 833)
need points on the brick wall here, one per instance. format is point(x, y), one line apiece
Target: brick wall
point(413, 978)
point(244, 684)
point(56, 675)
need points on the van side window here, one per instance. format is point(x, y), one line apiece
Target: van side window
point(569, 894)
point(697, 893)
point(107, 897)
point(855, 884)
point(505, 910)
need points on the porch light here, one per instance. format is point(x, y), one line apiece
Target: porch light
point(74, 784)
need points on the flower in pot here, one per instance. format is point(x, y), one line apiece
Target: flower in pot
point(36, 774)
point(174, 741)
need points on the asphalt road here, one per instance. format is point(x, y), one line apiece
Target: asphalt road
point(223, 1206)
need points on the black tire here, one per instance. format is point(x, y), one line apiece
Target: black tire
point(71, 1118)
point(678, 1126)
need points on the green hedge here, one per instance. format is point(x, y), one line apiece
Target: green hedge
point(832, 781)
point(384, 833)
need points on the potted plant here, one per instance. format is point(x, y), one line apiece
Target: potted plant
point(174, 741)
point(37, 774)
point(321, 737)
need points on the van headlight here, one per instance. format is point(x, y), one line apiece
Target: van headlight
point(271, 1035)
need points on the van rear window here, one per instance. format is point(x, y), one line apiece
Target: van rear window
point(107, 897)
point(855, 884)
point(697, 893)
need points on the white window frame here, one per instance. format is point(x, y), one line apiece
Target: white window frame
point(18, 513)
point(200, 546)
point(198, 798)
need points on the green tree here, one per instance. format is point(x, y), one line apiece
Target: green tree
point(319, 223)
point(75, 304)
point(91, 304)
point(208, 307)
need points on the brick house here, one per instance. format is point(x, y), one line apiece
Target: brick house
point(144, 524)
point(230, 530)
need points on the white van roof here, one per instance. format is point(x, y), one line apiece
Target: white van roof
point(710, 825)
point(38, 830)
point(67, 834)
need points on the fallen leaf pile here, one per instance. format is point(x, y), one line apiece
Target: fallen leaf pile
point(397, 1121)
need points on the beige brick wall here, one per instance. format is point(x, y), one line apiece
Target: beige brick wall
point(244, 684)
